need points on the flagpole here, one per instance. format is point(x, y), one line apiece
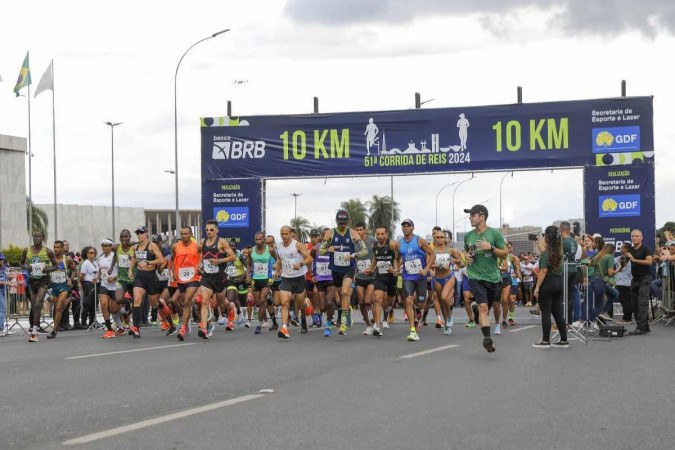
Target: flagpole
point(30, 180)
point(56, 220)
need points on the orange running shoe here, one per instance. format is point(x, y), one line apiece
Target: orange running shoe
point(109, 334)
point(182, 333)
point(283, 333)
point(164, 326)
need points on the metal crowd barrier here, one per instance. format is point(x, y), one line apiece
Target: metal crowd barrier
point(18, 305)
point(664, 311)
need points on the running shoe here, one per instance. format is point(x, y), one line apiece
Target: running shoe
point(33, 338)
point(504, 324)
point(294, 322)
point(175, 320)
point(385, 324)
point(274, 327)
point(120, 332)
point(368, 331)
point(451, 321)
point(265, 324)
point(202, 333)
point(182, 333)
point(448, 328)
point(535, 312)
point(439, 323)
point(171, 331)
point(512, 323)
point(413, 336)
point(230, 326)
point(470, 324)
point(541, 344)
point(376, 330)
point(240, 319)
point(488, 344)
point(605, 317)
point(498, 329)
point(109, 334)
point(349, 317)
point(343, 329)
point(390, 319)
point(209, 329)
point(51, 335)
point(153, 323)
point(165, 326)
point(258, 329)
point(560, 344)
point(136, 332)
point(327, 332)
point(222, 320)
point(248, 324)
point(319, 319)
point(283, 333)
point(303, 329)
point(424, 323)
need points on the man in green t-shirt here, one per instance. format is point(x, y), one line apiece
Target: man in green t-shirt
point(482, 246)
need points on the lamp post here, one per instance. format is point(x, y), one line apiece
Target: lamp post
point(439, 193)
point(453, 202)
point(295, 208)
point(175, 118)
point(500, 199)
point(112, 166)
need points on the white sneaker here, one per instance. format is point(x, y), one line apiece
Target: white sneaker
point(385, 324)
point(368, 331)
point(498, 329)
point(266, 324)
point(376, 331)
point(578, 324)
point(248, 324)
point(222, 320)
point(448, 329)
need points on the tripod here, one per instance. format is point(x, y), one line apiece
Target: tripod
point(580, 333)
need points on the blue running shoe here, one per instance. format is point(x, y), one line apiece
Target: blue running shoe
point(327, 332)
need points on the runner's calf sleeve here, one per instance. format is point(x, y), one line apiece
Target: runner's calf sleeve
point(486, 331)
point(136, 313)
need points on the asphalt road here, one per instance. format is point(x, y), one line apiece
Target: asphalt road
point(340, 392)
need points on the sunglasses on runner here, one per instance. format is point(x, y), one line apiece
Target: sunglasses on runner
point(211, 229)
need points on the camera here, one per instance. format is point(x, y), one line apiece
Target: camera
point(532, 237)
point(472, 250)
point(623, 260)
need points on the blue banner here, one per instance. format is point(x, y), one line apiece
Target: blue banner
point(602, 132)
point(619, 199)
point(236, 205)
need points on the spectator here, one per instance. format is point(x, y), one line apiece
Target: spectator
point(623, 279)
point(641, 260)
point(527, 268)
point(3, 301)
point(89, 274)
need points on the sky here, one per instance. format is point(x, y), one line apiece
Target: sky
point(117, 63)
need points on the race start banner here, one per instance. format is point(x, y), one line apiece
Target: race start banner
point(618, 200)
point(235, 205)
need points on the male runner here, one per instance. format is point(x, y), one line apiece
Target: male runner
point(146, 258)
point(415, 259)
point(512, 265)
point(61, 285)
point(323, 280)
point(261, 255)
point(365, 281)
point(275, 282)
point(314, 240)
point(384, 266)
point(293, 262)
point(122, 260)
point(39, 261)
point(186, 257)
point(482, 246)
point(343, 246)
point(238, 278)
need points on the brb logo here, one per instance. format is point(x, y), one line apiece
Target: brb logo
point(231, 217)
point(619, 205)
point(616, 139)
point(226, 148)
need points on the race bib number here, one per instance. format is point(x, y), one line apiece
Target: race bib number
point(322, 269)
point(231, 271)
point(341, 259)
point(186, 273)
point(123, 261)
point(362, 265)
point(260, 269)
point(38, 269)
point(58, 277)
point(443, 260)
point(210, 268)
point(288, 267)
point(142, 256)
point(413, 266)
point(163, 275)
point(383, 267)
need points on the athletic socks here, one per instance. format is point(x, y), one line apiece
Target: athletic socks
point(118, 321)
point(486, 331)
point(136, 313)
point(108, 325)
point(343, 316)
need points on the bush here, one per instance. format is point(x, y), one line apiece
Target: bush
point(13, 256)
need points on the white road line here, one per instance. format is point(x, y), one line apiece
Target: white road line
point(426, 352)
point(159, 420)
point(131, 351)
point(515, 330)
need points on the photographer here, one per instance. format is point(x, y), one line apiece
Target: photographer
point(623, 279)
point(549, 288)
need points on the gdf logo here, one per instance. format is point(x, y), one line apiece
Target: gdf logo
point(616, 139)
point(231, 217)
point(619, 205)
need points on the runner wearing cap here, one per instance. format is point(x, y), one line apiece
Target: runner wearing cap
point(61, 285)
point(384, 266)
point(415, 259)
point(343, 245)
point(146, 258)
point(482, 246)
point(186, 256)
point(293, 262)
point(38, 261)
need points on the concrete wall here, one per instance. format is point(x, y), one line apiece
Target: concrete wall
point(13, 217)
point(86, 225)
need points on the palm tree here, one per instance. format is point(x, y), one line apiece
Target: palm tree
point(40, 219)
point(356, 210)
point(380, 210)
point(301, 226)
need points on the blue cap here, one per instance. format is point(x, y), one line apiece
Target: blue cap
point(2, 255)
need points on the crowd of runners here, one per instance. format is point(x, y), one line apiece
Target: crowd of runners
point(272, 285)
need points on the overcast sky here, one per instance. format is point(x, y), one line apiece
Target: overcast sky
point(117, 63)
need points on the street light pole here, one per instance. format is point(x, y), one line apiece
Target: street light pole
point(175, 120)
point(112, 166)
point(453, 203)
point(295, 208)
point(439, 193)
point(500, 199)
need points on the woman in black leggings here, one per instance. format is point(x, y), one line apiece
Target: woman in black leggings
point(549, 289)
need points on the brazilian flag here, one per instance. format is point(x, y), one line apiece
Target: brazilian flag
point(24, 76)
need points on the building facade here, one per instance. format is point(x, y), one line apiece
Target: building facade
point(13, 205)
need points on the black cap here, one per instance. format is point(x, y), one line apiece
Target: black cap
point(477, 209)
point(342, 216)
point(156, 238)
point(314, 232)
point(141, 229)
point(408, 222)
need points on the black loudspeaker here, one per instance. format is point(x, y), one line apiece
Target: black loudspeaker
point(612, 330)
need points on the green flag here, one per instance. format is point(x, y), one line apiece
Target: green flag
point(24, 76)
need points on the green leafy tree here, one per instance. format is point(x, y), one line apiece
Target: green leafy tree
point(301, 226)
point(40, 219)
point(380, 213)
point(13, 255)
point(356, 210)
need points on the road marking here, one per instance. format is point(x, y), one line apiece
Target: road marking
point(159, 420)
point(131, 351)
point(522, 328)
point(426, 352)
